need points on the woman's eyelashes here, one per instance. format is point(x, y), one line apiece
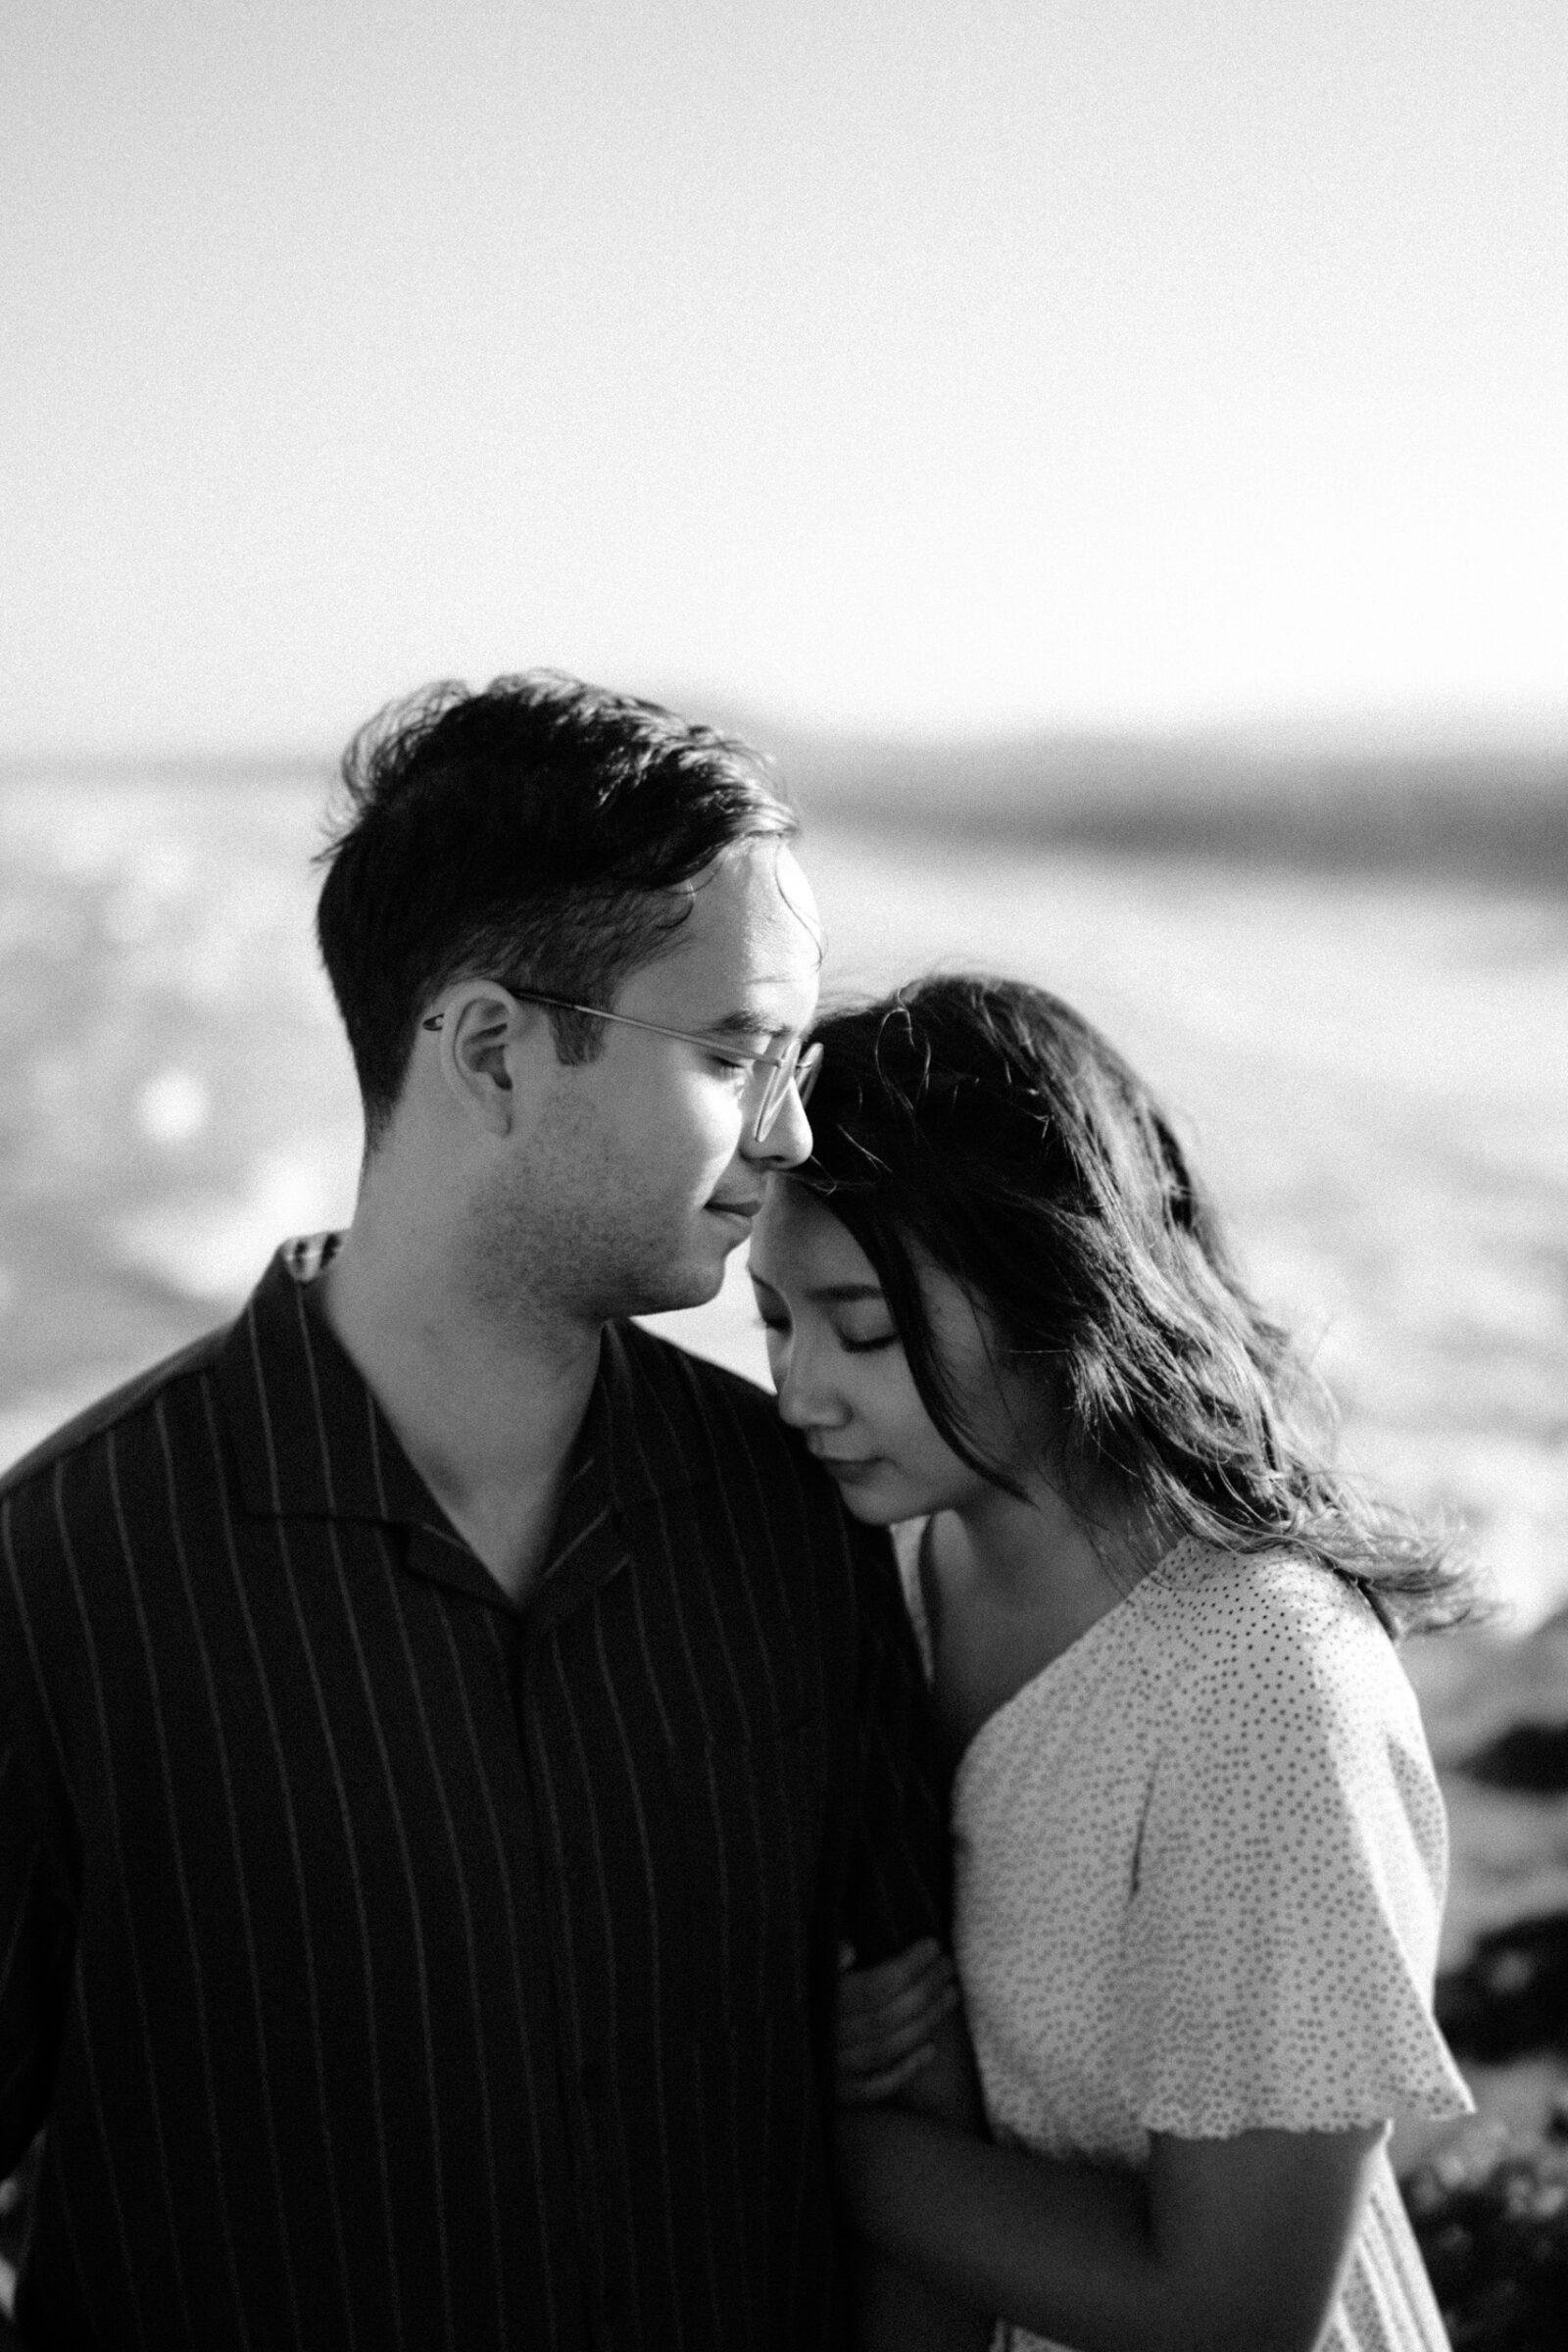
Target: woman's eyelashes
point(852, 1342)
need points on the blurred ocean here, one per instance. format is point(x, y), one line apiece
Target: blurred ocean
point(1371, 1065)
point(1370, 1061)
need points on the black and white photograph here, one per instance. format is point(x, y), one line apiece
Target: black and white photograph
point(784, 1176)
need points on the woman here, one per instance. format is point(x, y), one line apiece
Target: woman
point(1199, 1850)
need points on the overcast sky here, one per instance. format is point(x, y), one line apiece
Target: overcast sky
point(925, 364)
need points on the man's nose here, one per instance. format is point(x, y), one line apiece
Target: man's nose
point(787, 1141)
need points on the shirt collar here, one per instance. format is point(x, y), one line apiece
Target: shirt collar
point(312, 1442)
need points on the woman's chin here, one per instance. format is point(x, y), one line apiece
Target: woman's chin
point(874, 1499)
point(871, 1513)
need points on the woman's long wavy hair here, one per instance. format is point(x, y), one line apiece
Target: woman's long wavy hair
point(982, 1126)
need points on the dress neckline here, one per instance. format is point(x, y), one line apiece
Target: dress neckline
point(1076, 1649)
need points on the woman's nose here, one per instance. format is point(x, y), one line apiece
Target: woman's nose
point(806, 1398)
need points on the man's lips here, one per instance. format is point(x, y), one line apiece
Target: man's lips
point(744, 1209)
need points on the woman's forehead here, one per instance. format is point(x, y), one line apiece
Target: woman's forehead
point(799, 1242)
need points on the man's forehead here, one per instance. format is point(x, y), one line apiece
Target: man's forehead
point(752, 920)
point(766, 878)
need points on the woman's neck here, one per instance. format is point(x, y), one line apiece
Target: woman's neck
point(1038, 1561)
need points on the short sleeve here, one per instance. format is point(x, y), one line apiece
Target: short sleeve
point(33, 1973)
point(34, 1915)
point(1281, 1938)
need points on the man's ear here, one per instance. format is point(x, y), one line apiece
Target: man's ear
point(484, 1037)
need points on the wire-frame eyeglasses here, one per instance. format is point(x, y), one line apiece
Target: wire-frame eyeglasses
point(797, 1065)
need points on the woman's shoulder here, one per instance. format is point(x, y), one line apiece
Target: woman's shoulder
point(1279, 1592)
point(1240, 1629)
point(1291, 1865)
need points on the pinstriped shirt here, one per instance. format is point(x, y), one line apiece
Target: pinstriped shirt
point(395, 1967)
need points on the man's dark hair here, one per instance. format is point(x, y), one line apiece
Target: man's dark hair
point(536, 833)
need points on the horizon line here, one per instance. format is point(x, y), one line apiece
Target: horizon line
point(1539, 733)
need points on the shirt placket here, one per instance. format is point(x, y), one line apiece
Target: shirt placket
point(589, 1549)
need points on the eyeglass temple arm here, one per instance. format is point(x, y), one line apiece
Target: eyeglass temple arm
point(595, 1013)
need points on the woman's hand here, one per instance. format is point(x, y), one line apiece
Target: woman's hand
point(887, 2019)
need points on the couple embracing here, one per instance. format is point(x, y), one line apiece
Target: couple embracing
point(485, 1811)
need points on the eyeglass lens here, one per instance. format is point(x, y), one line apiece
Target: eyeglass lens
point(797, 1069)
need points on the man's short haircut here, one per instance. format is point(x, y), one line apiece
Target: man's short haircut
point(538, 834)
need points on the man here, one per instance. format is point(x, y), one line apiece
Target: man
point(446, 1733)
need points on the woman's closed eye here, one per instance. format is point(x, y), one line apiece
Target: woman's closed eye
point(853, 1343)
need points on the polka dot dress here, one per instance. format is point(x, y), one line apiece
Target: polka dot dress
point(1200, 1860)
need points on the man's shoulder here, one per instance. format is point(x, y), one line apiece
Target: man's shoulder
point(667, 1380)
point(666, 1364)
point(717, 1424)
point(126, 1411)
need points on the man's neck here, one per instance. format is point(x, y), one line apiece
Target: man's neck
point(488, 1414)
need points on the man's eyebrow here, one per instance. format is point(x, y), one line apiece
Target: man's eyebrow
point(742, 1024)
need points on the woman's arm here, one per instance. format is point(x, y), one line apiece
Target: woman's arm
point(1224, 2245)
